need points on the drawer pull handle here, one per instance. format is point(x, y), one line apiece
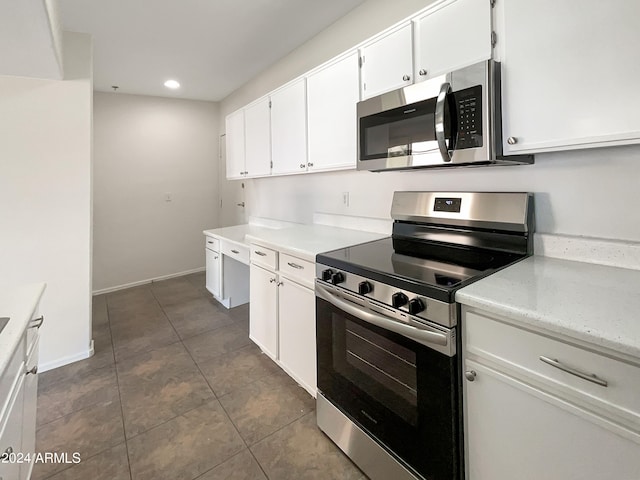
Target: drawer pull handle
point(272, 280)
point(262, 254)
point(295, 265)
point(209, 242)
point(590, 377)
point(279, 284)
point(36, 322)
point(33, 371)
point(235, 251)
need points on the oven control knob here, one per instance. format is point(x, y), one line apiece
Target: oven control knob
point(326, 274)
point(415, 306)
point(364, 288)
point(337, 278)
point(399, 299)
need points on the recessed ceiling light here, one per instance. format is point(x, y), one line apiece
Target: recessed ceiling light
point(172, 84)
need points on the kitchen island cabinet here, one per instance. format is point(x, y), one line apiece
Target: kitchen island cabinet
point(551, 360)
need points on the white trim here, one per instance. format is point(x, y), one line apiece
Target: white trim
point(68, 359)
point(148, 280)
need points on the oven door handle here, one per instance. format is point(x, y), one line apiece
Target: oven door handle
point(439, 121)
point(419, 334)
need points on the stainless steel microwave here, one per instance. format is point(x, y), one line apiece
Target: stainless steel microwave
point(447, 121)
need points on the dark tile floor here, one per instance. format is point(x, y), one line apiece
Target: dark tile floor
point(176, 390)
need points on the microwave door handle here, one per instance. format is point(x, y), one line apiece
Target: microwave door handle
point(421, 335)
point(439, 121)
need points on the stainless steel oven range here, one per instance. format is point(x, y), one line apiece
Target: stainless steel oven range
point(389, 369)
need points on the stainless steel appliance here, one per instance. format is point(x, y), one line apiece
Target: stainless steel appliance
point(451, 120)
point(389, 369)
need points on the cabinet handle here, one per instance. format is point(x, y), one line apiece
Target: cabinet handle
point(295, 265)
point(512, 140)
point(422, 72)
point(235, 251)
point(302, 165)
point(590, 377)
point(271, 280)
point(6, 453)
point(406, 78)
point(33, 371)
point(310, 164)
point(209, 242)
point(279, 283)
point(215, 257)
point(262, 254)
point(470, 375)
point(36, 322)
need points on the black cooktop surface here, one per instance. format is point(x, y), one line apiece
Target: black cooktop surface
point(433, 271)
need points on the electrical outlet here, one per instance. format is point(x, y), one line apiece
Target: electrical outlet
point(345, 198)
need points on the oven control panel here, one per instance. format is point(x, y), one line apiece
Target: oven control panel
point(404, 301)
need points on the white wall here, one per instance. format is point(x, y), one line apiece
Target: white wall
point(45, 197)
point(592, 192)
point(144, 148)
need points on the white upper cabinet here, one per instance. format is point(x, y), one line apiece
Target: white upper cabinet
point(289, 129)
point(452, 35)
point(235, 144)
point(387, 63)
point(332, 95)
point(569, 74)
point(257, 131)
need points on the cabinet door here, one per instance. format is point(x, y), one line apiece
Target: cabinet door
point(213, 274)
point(234, 125)
point(332, 95)
point(297, 327)
point(263, 310)
point(387, 63)
point(289, 129)
point(11, 432)
point(516, 431)
point(30, 406)
point(453, 35)
point(569, 74)
point(257, 134)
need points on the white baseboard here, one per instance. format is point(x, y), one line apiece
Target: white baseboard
point(146, 281)
point(60, 362)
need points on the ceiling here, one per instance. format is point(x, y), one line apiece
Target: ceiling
point(211, 47)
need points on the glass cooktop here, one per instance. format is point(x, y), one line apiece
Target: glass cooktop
point(433, 271)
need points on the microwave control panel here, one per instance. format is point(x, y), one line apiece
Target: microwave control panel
point(469, 107)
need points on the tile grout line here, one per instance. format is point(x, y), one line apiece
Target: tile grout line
point(115, 367)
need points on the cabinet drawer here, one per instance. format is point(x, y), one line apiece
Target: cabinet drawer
point(531, 353)
point(10, 375)
point(264, 256)
point(297, 269)
point(235, 251)
point(212, 243)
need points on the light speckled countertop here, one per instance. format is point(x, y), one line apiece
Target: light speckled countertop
point(595, 304)
point(18, 304)
point(306, 241)
point(237, 233)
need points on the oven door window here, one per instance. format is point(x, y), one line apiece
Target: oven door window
point(402, 393)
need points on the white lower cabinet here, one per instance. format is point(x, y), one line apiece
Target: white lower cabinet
point(11, 434)
point(297, 332)
point(516, 431)
point(282, 313)
point(18, 402)
point(263, 310)
point(527, 419)
point(213, 274)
